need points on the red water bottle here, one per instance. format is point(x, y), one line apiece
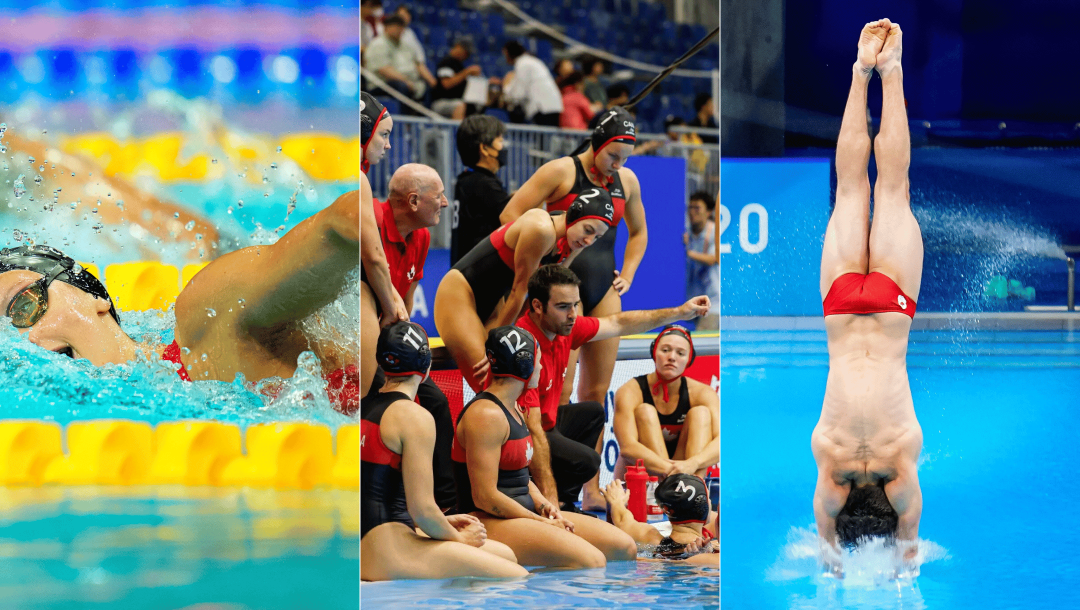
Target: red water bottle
point(637, 481)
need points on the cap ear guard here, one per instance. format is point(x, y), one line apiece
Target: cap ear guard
point(512, 352)
point(667, 330)
point(403, 350)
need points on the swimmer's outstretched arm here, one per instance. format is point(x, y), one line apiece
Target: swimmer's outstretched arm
point(374, 259)
point(279, 284)
point(141, 213)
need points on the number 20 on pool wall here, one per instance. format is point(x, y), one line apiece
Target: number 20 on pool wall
point(761, 216)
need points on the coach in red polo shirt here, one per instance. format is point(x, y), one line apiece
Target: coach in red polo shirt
point(564, 436)
point(416, 200)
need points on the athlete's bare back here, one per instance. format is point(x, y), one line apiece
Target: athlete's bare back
point(868, 435)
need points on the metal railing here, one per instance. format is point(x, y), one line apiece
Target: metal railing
point(433, 143)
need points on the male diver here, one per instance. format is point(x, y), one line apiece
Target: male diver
point(867, 441)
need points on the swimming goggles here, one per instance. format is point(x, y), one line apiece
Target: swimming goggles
point(31, 303)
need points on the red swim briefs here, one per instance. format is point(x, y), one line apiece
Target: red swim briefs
point(863, 294)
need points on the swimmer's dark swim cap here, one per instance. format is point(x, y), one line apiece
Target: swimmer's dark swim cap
point(673, 329)
point(512, 352)
point(403, 350)
point(617, 125)
point(593, 202)
point(42, 259)
point(685, 497)
point(372, 113)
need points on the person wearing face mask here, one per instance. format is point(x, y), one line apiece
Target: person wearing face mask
point(479, 195)
point(668, 420)
point(602, 284)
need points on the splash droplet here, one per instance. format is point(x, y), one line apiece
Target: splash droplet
point(274, 165)
point(190, 225)
point(20, 189)
point(240, 203)
point(279, 149)
point(37, 180)
point(241, 302)
point(213, 161)
point(210, 313)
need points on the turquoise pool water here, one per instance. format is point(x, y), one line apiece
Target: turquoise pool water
point(998, 409)
point(624, 584)
point(170, 547)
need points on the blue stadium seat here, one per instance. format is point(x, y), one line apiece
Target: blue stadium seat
point(496, 25)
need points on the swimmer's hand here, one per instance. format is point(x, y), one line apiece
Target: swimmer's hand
point(615, 494)
point(394, 312)
point(554, 517)
point(480, 371)
point(695, 308)
point(621, 284)
point(471, 529)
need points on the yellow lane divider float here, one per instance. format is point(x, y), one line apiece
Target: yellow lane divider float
point(194, 453)
point(322, 156)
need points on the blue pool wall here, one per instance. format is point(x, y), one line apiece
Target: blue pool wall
point(984, 213)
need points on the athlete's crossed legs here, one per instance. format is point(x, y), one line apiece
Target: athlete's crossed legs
point(893, 245)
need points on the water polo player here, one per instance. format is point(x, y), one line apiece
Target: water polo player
point(396, 444)
point(684, 499)
point(867, 441)
point(377, 294)
point(668, 420)
point(492, 451)
point(239, 314)
point(556, 184)
point(487, 287)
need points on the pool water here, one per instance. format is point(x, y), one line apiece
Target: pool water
point(998, 409)
point(169, 547)
point(624, 584)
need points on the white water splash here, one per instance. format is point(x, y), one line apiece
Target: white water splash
point(962, 230)
point(870, 566)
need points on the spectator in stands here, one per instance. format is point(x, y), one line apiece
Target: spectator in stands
point(593, 69)
point(530, 88)
point(618, 95)
point(397, 63)
point(563, 68)
point(479, 195)
point(408, 36)
point(576, 112)
point(702, 255)
point(452, 74)
point(705, 117)
point(370, 27)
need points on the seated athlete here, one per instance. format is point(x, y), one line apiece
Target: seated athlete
point(672, 431)
point(396, 444)
point(867, 441)
point(487, 287)
point(240, 314)
point(685, 500)
point(492, 450)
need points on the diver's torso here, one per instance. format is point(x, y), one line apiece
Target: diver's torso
point(868, 423)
